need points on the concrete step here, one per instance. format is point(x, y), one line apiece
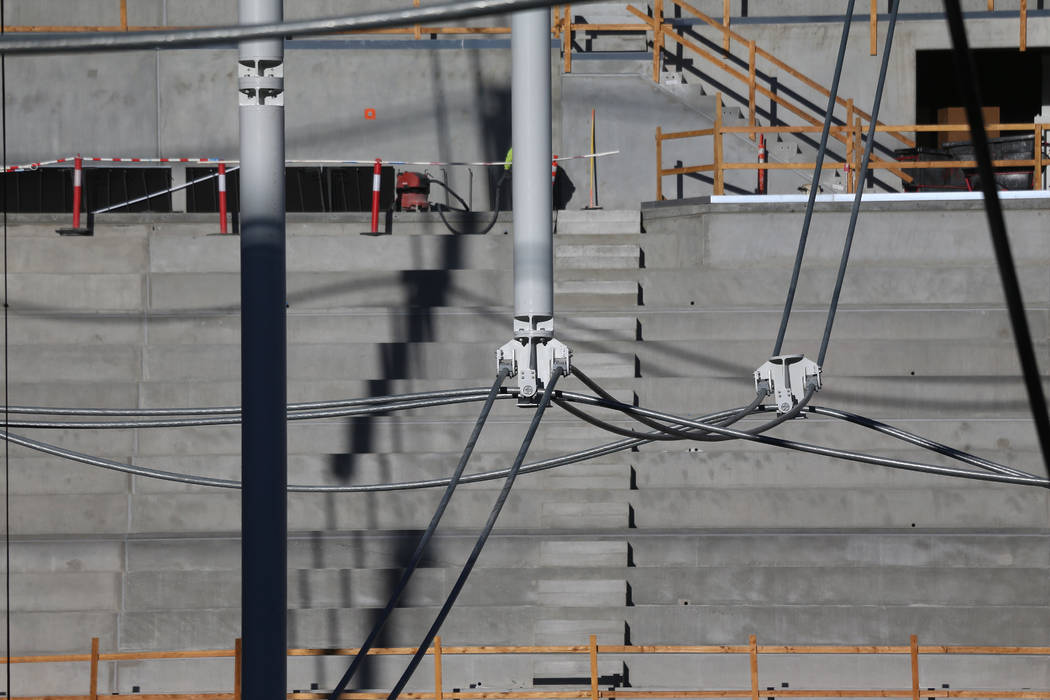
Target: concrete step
point(867, 285)
point(334, 549)
point(372, 588)
point(583, 553)
point(336, 361)
point(574, 626)
point(533, 510)
point(939, 504)
point(807, 325)
point(878, 585)
point(599, 221)
point(841, 549)
point(695, 624)
point(219, 291)
point(581, 593)
point(597, 256)
point(602, 294)
point(338, 252)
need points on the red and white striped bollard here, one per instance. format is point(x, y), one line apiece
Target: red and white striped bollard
point(78, 166)
point(222, 198)
point(376, 178)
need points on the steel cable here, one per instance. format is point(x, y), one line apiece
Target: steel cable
point(699, 436)
point(917, 440)
point(966, 76)
point(184, 38)
point(225, 410)
point(862, 176)
point(302, 415)
point(482, 537)
point(137, 470)
point(428, 534)
point(676, 434)
point(824, 451)
point(815, 184)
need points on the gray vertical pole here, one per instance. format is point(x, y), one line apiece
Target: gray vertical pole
point(264, 466)
point(531, 136)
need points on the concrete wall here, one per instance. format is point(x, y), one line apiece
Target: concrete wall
point(669, 544)
point(435, 100)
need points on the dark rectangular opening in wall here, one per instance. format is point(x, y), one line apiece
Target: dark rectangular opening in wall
point(1010, 80)
point(307, 189)
point(50, 190)
point(204, 196)
point(104, 187)
point(47, 190)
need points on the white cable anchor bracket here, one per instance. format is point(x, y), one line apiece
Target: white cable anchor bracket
point(532, 360)
point(787, 378)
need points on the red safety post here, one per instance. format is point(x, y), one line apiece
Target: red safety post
point(222, 198)
point(376, 173)
point(554, 169)
point(78, 182)
point(762, 158)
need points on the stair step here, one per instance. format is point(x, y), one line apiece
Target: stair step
point(597, 256)
point(556, 631)
point(574, 514)
point(581, 593)
point(600, 221)
point(583, 553)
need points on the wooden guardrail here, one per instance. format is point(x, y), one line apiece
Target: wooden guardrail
point(662, 32)
point(852, 136)
point(592, 650)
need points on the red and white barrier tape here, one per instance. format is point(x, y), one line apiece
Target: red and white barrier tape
point(231, 161)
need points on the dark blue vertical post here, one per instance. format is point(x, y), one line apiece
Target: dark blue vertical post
point(264, 448)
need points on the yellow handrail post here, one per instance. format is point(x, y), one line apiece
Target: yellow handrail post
point(719, 175)
point(658, 37)
point(594, 667)
point(417, 30)
point(752, 643)
point(873, 30)
point(1037, 175)
point(437, 669)
point(914, 667)
point(991, 5)
point(93, 692)
point(725, 24)
point(237, 655)
point(659, 164)
point(1024, 25)
point(566, 38)
point(124, 15)
point(751, 69)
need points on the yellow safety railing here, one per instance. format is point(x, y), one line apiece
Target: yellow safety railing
point(592, 650)
point(853, 137)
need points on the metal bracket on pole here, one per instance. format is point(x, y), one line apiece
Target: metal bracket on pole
point(533, 355)
point(787, 378)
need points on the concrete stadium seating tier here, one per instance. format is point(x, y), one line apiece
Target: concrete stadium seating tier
point(672, 543)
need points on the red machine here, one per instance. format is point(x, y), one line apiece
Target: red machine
point(413, 192)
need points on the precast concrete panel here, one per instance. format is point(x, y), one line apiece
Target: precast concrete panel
point(95, 104)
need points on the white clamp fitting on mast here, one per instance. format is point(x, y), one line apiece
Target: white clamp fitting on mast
point(787, 378)
point(533, 355)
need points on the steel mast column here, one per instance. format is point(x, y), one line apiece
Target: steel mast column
point(264, 466)
point(534, 348)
